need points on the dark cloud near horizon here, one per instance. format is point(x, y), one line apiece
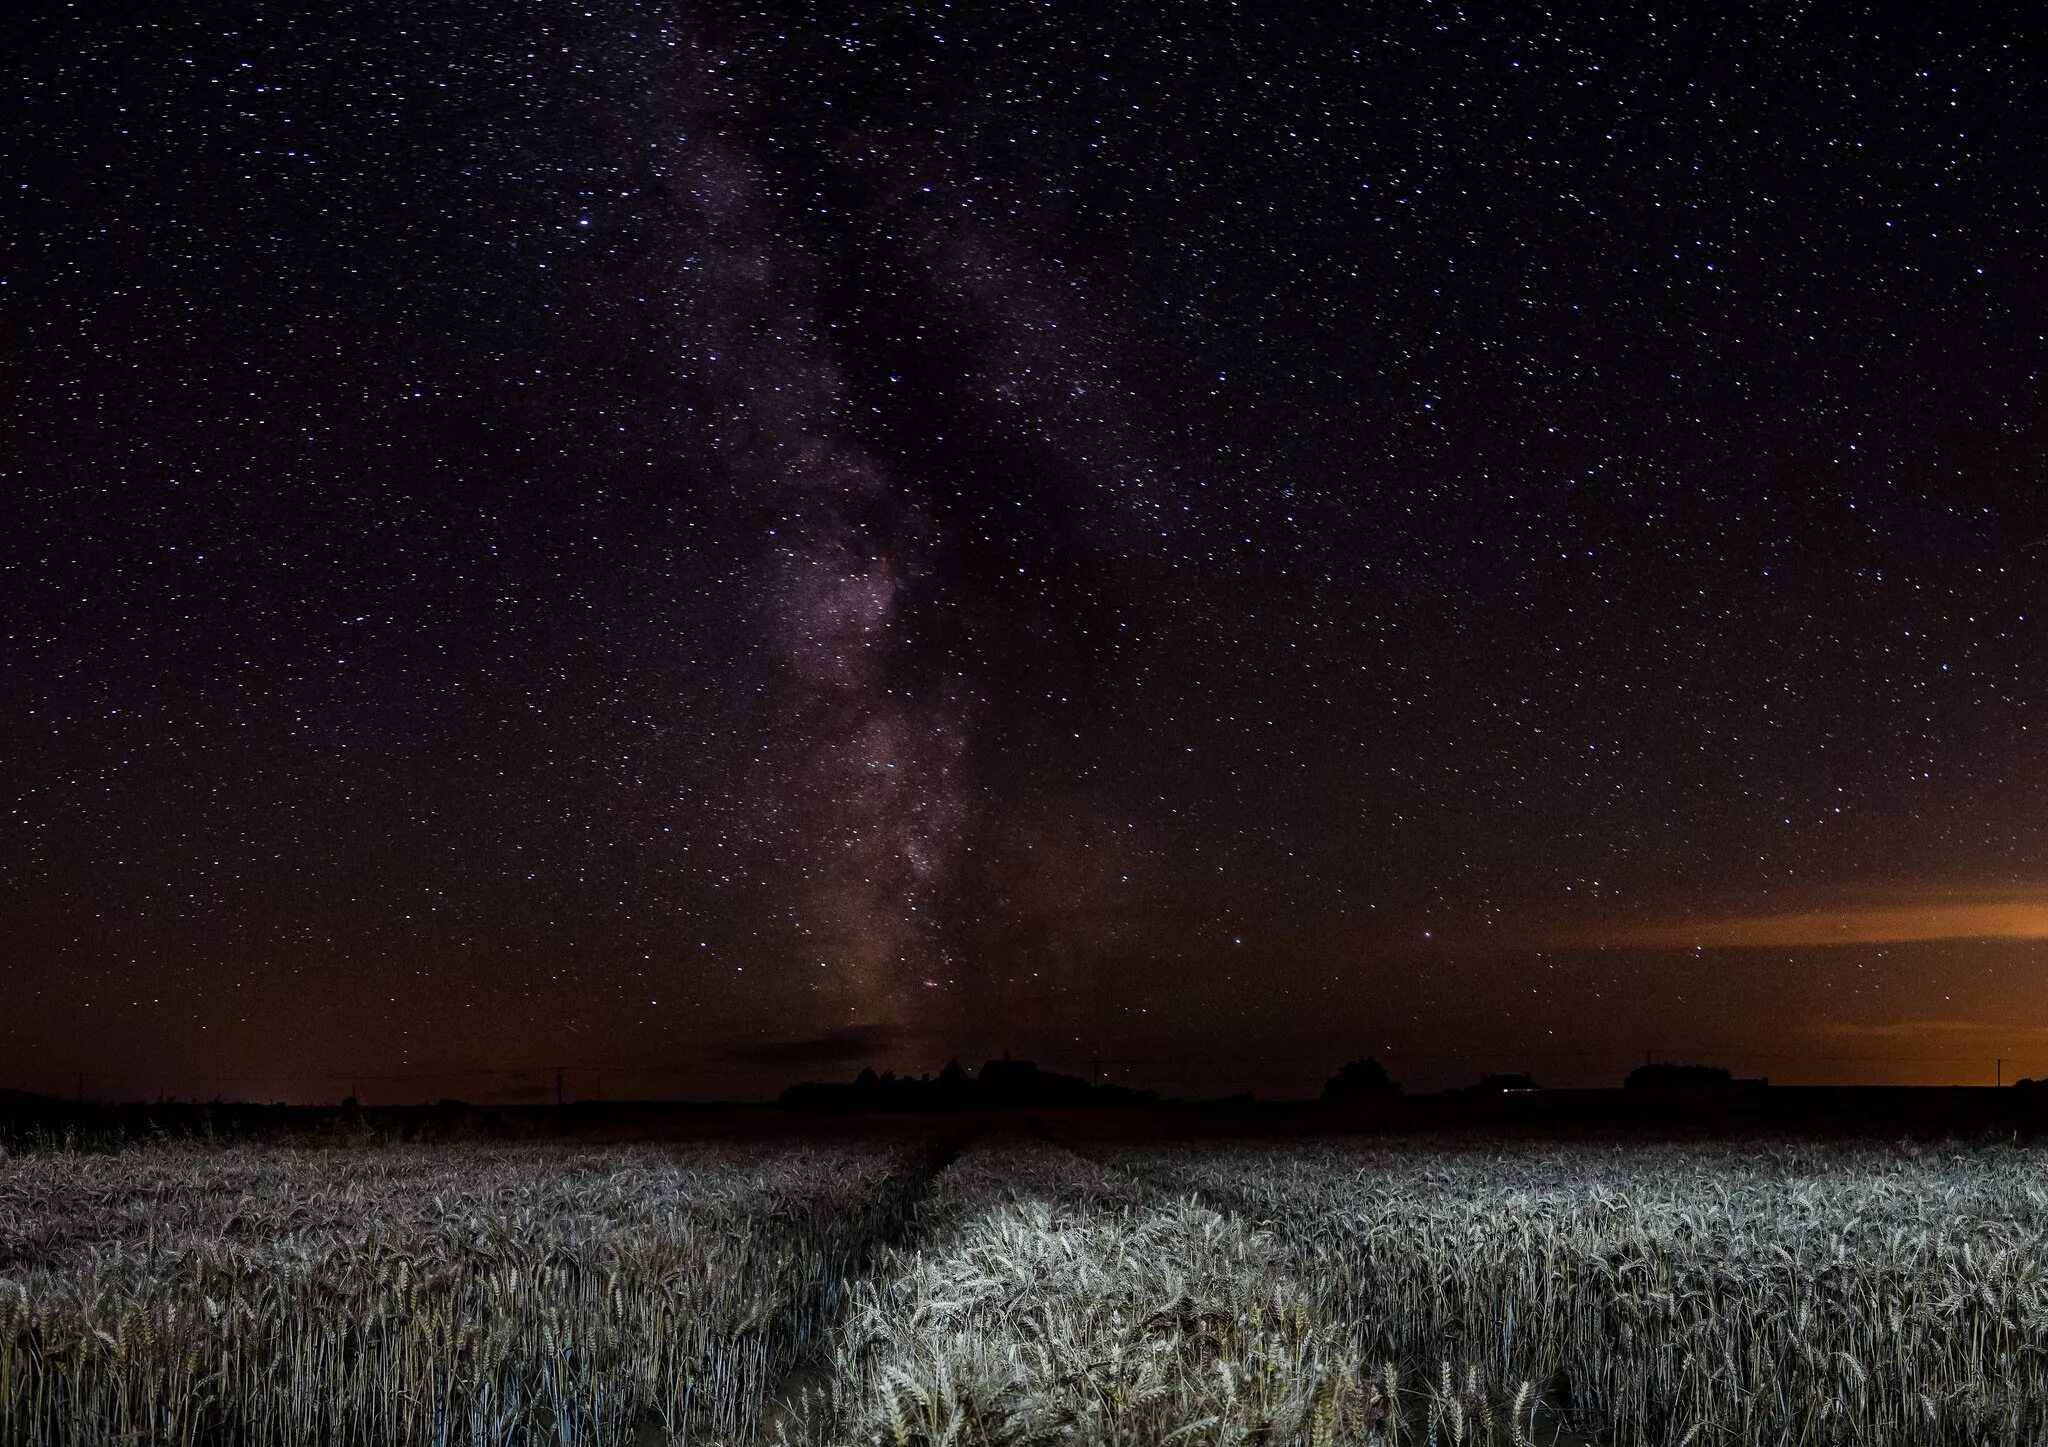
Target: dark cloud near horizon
point(864, 1044)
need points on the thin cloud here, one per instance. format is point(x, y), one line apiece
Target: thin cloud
point(836, 1047)
point(1926, 1029)
point(2003, 919)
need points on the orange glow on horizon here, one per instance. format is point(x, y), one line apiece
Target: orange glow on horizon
point(1851, 925)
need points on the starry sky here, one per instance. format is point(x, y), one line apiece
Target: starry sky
point(715, 543)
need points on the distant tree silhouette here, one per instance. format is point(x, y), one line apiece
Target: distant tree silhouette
point(1358, 1079)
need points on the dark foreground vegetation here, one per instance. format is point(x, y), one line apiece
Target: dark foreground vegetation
point(1683, 1105)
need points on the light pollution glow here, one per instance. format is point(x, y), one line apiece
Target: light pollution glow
point(1981, 919)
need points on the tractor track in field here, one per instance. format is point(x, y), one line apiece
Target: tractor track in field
point(1551, 1430)
point(809, 1372)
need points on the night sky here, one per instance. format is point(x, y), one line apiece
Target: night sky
point(717, 543)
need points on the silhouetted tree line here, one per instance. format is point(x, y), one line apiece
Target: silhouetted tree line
point(1367, 1079)
point(1001, 1085)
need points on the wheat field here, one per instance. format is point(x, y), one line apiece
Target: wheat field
point(1420, 1291)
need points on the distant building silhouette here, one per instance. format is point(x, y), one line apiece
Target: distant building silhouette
point(1502, 1084)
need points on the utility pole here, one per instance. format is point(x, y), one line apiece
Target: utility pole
point(558, 1083)
point(2001, 1072)
point(81, 1087)
point(1096, 1066)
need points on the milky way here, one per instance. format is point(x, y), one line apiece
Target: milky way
point(878, 753)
